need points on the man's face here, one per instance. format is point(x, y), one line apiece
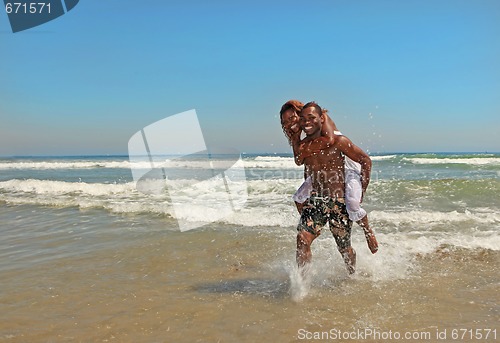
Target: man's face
point(311, 121)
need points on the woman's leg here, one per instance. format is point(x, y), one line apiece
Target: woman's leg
point(353, 192)
point(369, 234)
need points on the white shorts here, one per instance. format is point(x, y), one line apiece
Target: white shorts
point(353, 192)
point(304, 191)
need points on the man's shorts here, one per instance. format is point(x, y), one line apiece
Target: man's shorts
point(317, 211)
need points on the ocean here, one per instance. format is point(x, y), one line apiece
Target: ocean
point(85, 256)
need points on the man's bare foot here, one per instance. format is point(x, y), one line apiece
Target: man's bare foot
point(349, 256)
point(371, 241)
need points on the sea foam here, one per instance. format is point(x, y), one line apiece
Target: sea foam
point(470, 161)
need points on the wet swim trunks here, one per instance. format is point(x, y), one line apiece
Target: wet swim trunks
point(317, 211)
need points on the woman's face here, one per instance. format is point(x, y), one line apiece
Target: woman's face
point(290, 121)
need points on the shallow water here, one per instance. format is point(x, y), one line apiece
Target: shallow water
point(115, 277)
point(97, 261)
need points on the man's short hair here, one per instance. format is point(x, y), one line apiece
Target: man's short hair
point(319, 110)
point(296, 105)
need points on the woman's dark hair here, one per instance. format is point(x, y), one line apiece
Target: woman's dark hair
point(291, 104)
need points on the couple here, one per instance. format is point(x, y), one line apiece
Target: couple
point(336, 173)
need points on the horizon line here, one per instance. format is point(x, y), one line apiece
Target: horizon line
point(261, 153)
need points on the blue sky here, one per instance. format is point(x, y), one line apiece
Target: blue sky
point(397, 76)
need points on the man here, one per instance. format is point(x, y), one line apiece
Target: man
point(289, 116)
point(326, 202)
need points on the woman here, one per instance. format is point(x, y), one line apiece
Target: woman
point(306, 147)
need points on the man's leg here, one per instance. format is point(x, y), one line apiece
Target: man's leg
point(340, 226)
point(311, 222)
point(299, 206)
point(349, 256)
point(304, 240)
point(342, 236)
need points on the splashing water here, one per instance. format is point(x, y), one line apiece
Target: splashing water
point(301, 280)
